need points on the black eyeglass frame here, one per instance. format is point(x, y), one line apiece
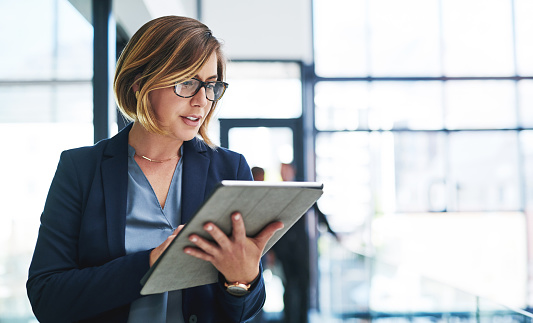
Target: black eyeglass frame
point(202, 85)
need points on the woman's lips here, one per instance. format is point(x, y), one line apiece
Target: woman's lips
point(192, 121)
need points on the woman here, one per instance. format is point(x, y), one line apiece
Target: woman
point(113, 208)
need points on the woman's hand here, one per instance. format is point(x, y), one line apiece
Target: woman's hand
point(237, 256)
point(156, 253)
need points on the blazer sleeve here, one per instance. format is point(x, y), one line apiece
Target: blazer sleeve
point(60, 290)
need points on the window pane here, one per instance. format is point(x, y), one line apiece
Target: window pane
point(524, 36)
point(262, 90)
point(340, 37)
point(480, 104)
point(47, 103)
point(378, 105)
point(343, 166)
point(420, 172)
point(477, 38)
point(29, 56)
point(20, 102)
point(341, 105)
point(75, 44)
point(526, 142)
point(525, 103)
point(276, 148)
point(406, 105)
point(484, 172)
point(23, 189)
point(404, 38)
point(43, 54)
point(45, 116)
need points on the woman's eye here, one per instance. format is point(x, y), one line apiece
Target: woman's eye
point(186, 83)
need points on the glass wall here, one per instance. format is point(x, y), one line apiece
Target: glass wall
point(46, 95)
point(261, 90)
point(423, 114)
point(259, 107)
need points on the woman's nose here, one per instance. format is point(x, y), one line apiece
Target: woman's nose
point(200, 98)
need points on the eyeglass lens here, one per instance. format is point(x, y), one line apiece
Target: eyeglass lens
point(213, 90)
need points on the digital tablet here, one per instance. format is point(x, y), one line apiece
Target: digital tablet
point(260, 203)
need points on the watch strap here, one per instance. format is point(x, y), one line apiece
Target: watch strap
point(238, 288)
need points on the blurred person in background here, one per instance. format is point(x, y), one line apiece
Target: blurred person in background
point(258, 173)
point(292, 250)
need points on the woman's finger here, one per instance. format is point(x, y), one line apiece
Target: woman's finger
point(198, 254)
point(262, 237)
point(218, 235)
point(238, 229)
point(178, 229)
point(158, 251)
point(204, 245)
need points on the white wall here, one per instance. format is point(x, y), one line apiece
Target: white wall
point(257, 29)
point(250, 29)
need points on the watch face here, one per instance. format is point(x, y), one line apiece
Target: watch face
point(237, 290)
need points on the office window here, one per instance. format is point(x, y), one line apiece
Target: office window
point(46, 95)
point(484, 171)
point(523, 35)
point(526, 144)
point(346, 174)
point(406, 105)
point(412, 50)
point(525, 103)
point(341, 106)
point(477, 38)
point(378, 105)
point(340, 38)
point(262, 90)
point(423, 114)
point(408, 89)
point(420, 176)
point(486, 104)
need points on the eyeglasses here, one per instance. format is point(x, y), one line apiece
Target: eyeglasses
point(189, 88)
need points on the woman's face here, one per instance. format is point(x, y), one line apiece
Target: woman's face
point(182, 117)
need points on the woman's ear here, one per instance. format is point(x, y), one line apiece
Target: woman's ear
point(135, 87)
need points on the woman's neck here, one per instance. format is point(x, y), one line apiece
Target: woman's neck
point(152, 145)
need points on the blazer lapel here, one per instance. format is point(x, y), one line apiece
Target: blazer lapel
point(115, 187)
point(194, 178)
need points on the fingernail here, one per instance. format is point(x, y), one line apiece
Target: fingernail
point(187, 251)
point(237, 216)
point(209, 228)
point(193, 239)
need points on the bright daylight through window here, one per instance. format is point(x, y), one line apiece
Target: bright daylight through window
point(423, 144)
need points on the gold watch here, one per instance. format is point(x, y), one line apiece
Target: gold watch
point(237, 289)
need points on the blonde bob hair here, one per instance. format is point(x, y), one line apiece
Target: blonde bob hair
point(162, 52)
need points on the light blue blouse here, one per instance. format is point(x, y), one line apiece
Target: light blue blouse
point(147, 226)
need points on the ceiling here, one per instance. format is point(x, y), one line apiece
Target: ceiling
point(251, 29)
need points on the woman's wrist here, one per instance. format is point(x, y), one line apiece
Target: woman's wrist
point(245, 282)
point(244, 279)
point(238, 288)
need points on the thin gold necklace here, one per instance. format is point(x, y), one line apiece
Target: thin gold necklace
point(157, 161)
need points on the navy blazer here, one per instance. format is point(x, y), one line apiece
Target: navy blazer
point(80, 270)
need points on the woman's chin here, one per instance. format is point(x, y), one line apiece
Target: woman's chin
point(184, 136)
